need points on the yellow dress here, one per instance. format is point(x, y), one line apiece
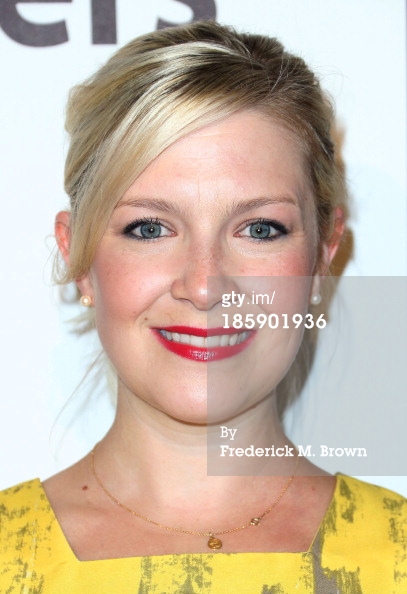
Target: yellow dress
point(360, 548)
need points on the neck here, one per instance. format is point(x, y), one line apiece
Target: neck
point(148, 452)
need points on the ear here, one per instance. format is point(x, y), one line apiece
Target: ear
point(63, 234)
point(63, 238)
point(329, 249)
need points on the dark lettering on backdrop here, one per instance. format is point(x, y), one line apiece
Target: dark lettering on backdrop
point(202, 10)
point(103, 21)
point(27, 33)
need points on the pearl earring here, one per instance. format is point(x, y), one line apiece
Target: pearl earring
point(316, 299)
point(85, 300)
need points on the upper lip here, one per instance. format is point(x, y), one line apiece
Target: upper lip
point(205, 332)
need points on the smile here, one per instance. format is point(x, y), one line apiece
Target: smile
point(201, 344)
point(221, 340)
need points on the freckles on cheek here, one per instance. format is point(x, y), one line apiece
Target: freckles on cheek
point(111, 284)
point(299, 263)
point(302, 266)
point(124, 289)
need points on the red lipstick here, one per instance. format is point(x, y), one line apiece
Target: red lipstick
point(203, 354)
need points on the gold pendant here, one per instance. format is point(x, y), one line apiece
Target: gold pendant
point(214, 543)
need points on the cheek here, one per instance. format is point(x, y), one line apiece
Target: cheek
point(125, 287)
point(301, 262)
point(298, 260)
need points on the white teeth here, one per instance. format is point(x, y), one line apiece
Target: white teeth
point(220, 340)
point(242, 337)
point(197, 341)
point(213, 341)
point(224, 340)
point(233, 339)
point(184, 338)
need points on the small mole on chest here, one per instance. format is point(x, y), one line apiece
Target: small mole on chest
point(85, 488)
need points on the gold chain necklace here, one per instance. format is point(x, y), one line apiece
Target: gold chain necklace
point(213, 542)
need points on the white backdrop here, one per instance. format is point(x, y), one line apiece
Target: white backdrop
point(358, 49)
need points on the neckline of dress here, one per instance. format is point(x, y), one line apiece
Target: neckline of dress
point(70, 553)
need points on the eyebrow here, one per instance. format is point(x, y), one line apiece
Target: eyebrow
point(242, 207)
point(157, 203)
point(235, 207)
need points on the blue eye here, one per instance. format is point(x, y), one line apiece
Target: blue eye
point(263, 229)
point(145, 229)
point(149, 230)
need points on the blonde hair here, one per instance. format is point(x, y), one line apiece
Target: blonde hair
point(168, 83)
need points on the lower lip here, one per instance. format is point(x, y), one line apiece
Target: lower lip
point(201, 354)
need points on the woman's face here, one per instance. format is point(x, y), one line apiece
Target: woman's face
point(231, 202)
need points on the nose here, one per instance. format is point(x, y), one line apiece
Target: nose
point(201, 279)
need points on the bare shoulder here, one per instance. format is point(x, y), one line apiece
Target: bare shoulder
point(68, 483)
point(72, 493)
point(73, 499)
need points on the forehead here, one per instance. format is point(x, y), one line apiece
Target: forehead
point(246, 155)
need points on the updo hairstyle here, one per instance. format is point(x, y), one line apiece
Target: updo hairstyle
point(166, 84)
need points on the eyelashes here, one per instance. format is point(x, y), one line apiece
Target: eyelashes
point(259, 230)
point(263, 230)
point(146, 229)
